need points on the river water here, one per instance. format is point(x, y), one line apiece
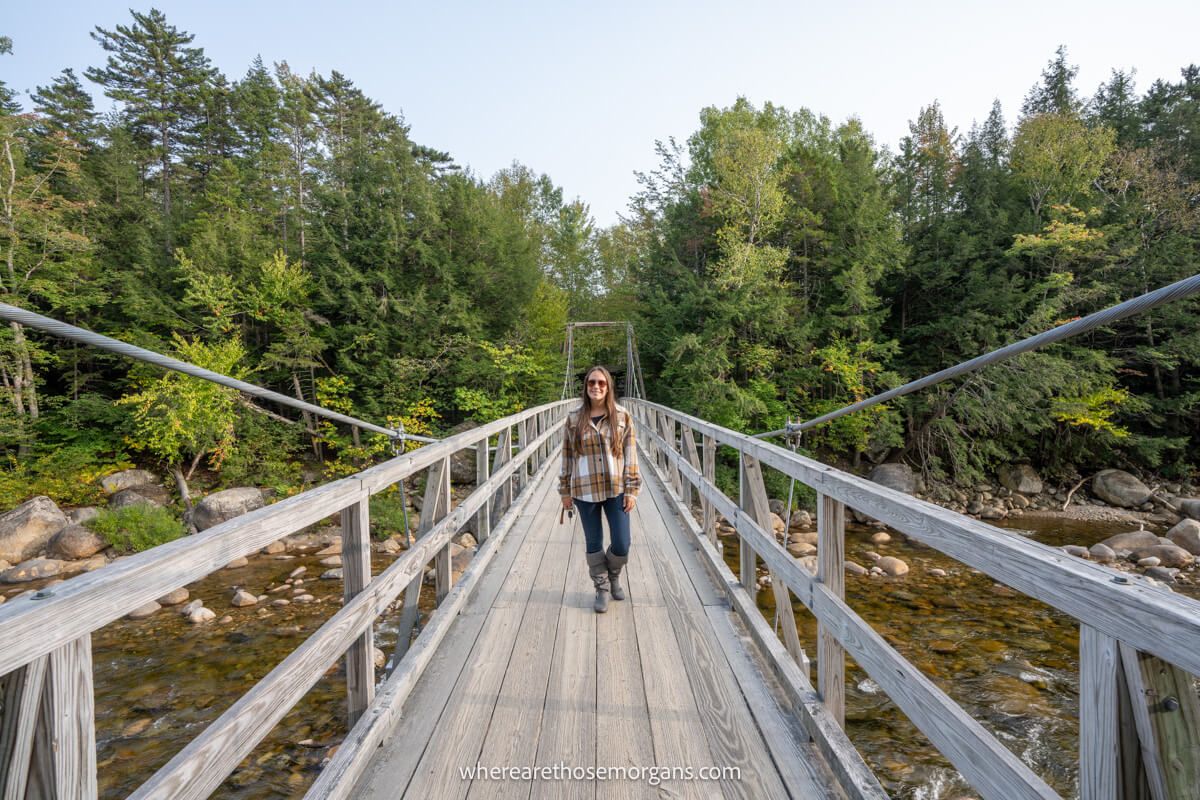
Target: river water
point(1011, 662)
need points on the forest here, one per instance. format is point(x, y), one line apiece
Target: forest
point(285, 229)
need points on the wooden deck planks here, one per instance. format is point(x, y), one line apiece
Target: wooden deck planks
point(543, 680)
point(569, 714)
point(463, 655)
point(728, 724)
point(515, 726)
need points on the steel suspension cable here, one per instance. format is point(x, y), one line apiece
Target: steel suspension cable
point(83, 336)
point(1176, 291)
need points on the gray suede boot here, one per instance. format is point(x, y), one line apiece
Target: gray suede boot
point(598, 569)
point(615, 565)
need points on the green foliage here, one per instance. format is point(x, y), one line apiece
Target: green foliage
point(68, 475)
point(176, 416)
point(498, 384)
point(132, 529)
point(388, 514)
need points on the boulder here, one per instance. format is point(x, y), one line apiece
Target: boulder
point(1077, 551)
point(801, 520)
point(332, 575)
point(853, 568)
point(81, 516)
point(275, 548)
point(462, 463)
point(220, 507)
point(150, 494)
point(777, 524)
point(894, 476)
point(238, 563)
point(1102, 553)
point(1131, 541)
point(32, 570)
point(335, 549)
point(463, 540)
point(1020, 478)
point(75, 541)
point(882, 537)
point(1190, 507)
point(801, 549)
point(1119, 488)
point(1186, 535)
point(331, 561)
point(28, 528)
point(892, 566)
point(1168, 555)
point(127, 479)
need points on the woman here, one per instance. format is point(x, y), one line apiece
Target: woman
point(599, 471)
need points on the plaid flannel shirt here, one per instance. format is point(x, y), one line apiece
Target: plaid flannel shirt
point(592, 473)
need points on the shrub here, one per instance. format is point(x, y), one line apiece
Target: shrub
point(135, 528)
point(387, 514)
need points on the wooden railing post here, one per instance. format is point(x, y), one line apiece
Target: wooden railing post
point(356, 574)
point(441, 563)
point(673, 438)
point(435, 506)
point(1100, 687)
point(758, 507)
point(710, 475)
point(48, 732)
point(747, 565)
point(483, 519)
point(693, 458)
point(831, 570)
point(503, 454)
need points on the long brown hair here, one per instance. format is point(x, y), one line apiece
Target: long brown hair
point(610, 402)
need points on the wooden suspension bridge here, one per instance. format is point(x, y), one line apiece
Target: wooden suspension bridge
point(514, 670)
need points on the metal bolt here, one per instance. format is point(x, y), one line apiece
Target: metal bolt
point(1120, 579)
point(42, 594)
point(1171, 704)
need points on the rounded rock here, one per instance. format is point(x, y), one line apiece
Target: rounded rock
point(174, 598)
point(242, 598)
point(201, 615)
point(893, 566)
point(147, 610)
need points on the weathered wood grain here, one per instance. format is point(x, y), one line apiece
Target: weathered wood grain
point(568, 734)
point(64, 753)
point(34, 625)
point(727, 722)
point(831, 570)
point(710, 475)
point(1099, 731)
point(853, 774)
point(483, 520)
point(444, 657)
point(434, 507)
point(22, 708)
point(356, 574)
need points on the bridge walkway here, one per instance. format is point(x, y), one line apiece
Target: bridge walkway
point(529, 676)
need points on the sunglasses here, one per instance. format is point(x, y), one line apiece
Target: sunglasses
point(597, 383)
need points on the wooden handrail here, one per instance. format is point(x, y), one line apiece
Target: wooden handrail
point(33, 625)
point(1133, 611)
point(1164, 624)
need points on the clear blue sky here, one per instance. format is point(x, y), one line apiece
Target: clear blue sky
point(580, 91)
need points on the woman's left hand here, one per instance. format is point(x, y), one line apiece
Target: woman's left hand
point(630, 500)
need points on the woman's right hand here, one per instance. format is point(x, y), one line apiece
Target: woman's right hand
point(568, 503)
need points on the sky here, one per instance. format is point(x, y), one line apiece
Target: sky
point(581, 91)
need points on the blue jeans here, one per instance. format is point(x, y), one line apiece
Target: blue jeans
point(593, 528)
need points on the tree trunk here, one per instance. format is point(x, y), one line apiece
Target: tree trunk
point(184, 494)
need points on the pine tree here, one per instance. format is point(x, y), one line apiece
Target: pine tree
point(1056, 93)
point(160, 80)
